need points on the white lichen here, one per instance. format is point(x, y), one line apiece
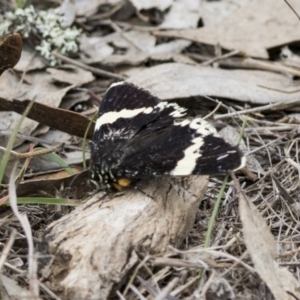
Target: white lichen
point(47, 26)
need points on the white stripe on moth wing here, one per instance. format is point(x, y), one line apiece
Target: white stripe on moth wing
point(231, 151)
point(183, 123)
point(200, 126)
point(111, 117)
point(223, 156)
point(178, 113)
point(203, 127)
point(116, 84)
point(178, 110)
point(242, 165)
point(187, 164)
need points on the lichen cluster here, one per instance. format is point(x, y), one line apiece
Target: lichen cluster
point(47, 26)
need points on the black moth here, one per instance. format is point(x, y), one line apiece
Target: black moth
point(138, 136)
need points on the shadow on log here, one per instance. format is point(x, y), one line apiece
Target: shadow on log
point(95, 248)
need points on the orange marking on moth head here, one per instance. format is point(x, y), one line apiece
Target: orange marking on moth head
point(122, 183)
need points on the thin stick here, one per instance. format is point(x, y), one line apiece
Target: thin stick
point(210, 114)
point(275, 67)
point(125, 36)
point(215, 59)
point(48, 291)
point(291, 7)
point(272, 128)
point(216, 101)
point(85, 67)
point(165, 292)
point(137, 292)
point(107, 14)
point(16, 155)
point(266, 145)
point(7, 247)
point(213, 217)
point(32, 263)
point(11, 140)
point(255, 109)
point(180, 289)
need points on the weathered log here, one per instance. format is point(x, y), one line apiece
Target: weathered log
point(96, 246)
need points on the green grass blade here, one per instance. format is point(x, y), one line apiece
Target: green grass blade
point(11, 141)
point(85, 138)
point(56, 158)
point(44, 201)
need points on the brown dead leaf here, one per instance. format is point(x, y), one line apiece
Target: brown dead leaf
point(256, 27)
point(262, 248)
point(61, 119)
point(10, 51)
point(175, 80)
point(78, 184)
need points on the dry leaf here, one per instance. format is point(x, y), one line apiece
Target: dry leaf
point(29, 61)
point(61, 119)
point(96, 48)
point(133, 39)
point(175, 80)
point(148, 4)
point(175, 46)
point(10, 290)
point(183, 14)
point(262, 248)
point(87, 8)
point(74, 97)
point(220, 289)
point(256, 27)
point(71, 74)
point(39, 87)
point(231, 135)
point(213, 12)
point(162, 52)
point(68, 11)
point(288, 58)
point(39, 163)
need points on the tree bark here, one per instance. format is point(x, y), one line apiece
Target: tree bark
point(95, 247)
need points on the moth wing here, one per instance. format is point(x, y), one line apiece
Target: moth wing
point(125, 95)
point(185, 148)
point(127, 110)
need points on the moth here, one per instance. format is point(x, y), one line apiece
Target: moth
point(138, 136)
